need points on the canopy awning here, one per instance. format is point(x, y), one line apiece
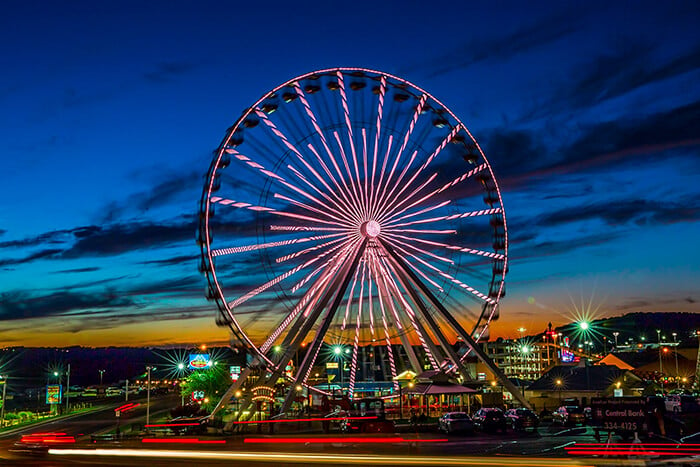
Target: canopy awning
point(435, 389)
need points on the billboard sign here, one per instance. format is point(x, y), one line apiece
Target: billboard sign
point(54, 393)
point(619, 413)
point(199, 361)
point(235, 372)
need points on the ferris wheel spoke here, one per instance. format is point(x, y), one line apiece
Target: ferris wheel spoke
point(263, 116)
point(385, 197)
point(394, 240)
point(353, 152)
point(348, 303)
point(311, 209)
point(423, 231)
point(274, 176)
point(471, 251)
point(411, 126)
point(377, 133)
point(385, 325)
point(481, 212)
point(400, 201)
point(272, 282)
point(348, 170)
point(435, 192)
point(310, 276)
point(308, 300)
point(305, 251)
point(238, 204)
point(430, 351)
point(262, 246)
point(339, 209)
point(356, 341)
point(344, 201)
point(425, 165)
point(314, 122)
point(307, 228)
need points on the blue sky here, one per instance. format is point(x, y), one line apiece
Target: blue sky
point(589, 114)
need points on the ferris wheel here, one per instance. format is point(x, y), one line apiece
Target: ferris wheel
point(348, 208)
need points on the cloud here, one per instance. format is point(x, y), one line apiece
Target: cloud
point(537, 34)
point(76, 270)
point(166, 71)
point(43, 254)
point(638, 211)
point(164, 192)
point(617, 72)
point(20, 305)
point(175, 260)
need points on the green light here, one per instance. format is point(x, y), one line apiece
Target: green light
point(180, 366)
point(583, 325)
point(337, 350)
point(278, 348)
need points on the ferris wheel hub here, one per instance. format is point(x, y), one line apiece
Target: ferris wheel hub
point(371, 229)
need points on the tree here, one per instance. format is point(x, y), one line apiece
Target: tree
point(213, 381)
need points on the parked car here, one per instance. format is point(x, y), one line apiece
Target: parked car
point(521, 419)
point(678, 403)
point(490, 419)
point(456, 422)
point(569, 415)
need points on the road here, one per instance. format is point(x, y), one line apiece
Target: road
point(549, 447)
point(85, 424)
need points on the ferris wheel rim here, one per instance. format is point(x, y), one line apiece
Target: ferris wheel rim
point(205, 203)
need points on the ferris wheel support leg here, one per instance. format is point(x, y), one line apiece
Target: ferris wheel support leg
point(384, 296)
point(339, 285)
point(230, 392)
point(405, 281)
point(466, 337)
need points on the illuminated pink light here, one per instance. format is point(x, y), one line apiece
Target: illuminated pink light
point(482, 212)
point(339, 220)
point(349, 205)
point(182, 441)
point(291, 420)
point(398, 200)
point(349, 300)
point(353, 364)
point(341, 439)
point(409, 312)
point(347, 168)
point(309, 250)
point(353, 152)
point(261, 246)
point(383, 202)
point(304, 228)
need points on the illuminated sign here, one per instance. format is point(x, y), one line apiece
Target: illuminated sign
point(235, 372)
point(199, 361)
point(197, 396)
point(54, 393)
point(567, 356)
point(332, 365)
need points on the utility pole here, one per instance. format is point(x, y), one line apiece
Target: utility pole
point(675, 352)
point(148, 397)
point(3, 380)
point(661, 365)
point(126, 391)
point(67, 388)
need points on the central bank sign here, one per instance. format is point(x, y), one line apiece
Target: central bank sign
point(623, 413)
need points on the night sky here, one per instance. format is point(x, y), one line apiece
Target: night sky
point(588, 112)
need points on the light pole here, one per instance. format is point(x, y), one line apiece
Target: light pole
point(675, 352)
point(67, 388)
point(148, 395)
point(101, 373)
point(661, 365)
point(558, 382)
point(3, 381)
point(615, 334)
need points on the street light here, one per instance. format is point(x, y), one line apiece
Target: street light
point(661, 365)
point(675, 352)
point(3, 381)
point(558, 383)
point(615, 334)
point(148, 395)
point(101, 373)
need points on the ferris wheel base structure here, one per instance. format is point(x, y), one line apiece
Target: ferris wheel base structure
point(350, 206)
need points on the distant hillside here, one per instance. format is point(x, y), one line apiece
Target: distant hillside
point(636, 325)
